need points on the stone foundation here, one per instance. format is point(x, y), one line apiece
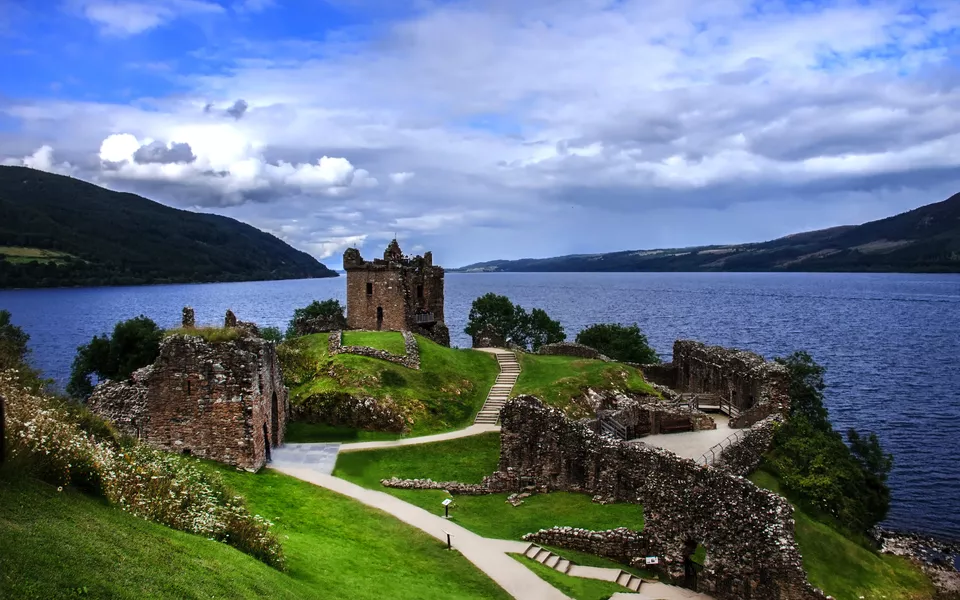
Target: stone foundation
point(411, 360)
point(572, 349)
point(747, 531)
point(489, 337)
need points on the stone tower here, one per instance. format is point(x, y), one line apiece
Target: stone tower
point(395, 293)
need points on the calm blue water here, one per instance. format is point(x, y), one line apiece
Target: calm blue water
point(890, 342)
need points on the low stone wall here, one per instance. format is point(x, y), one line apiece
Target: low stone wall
point(489, 337)
point(621, 544)
point(411, 360)
point(453, 487)
point(344, 410)
point(743, 457)
point(572, 349)
point(747, 531)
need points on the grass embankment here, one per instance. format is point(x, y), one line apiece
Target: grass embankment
point(557, 380)
point(468, 460)
point(445, 394)
point(391, 341)
point(845, 569)
point(578, 588)
point(67, 545)
point(213, 335)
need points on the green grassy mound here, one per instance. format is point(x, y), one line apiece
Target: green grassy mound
point(469, 460)
point(445, 394)
point(845, 569)
point(558, 379)
point(578, 588)
point(391, 341)
point(69, 545)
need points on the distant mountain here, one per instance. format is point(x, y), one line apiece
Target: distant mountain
point(60, 231)
point(926, 239)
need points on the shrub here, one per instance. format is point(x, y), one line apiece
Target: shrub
point(317, 317)
point(619, 342)
point(134, 343)
point(814, 464)
point(14, 352)
point(513, 322)
point(271, 334)
point(149, 483)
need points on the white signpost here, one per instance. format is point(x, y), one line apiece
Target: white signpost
point(446, 508)
point(653, 560)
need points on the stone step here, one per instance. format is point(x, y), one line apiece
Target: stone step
point(542, 556)
point(623, 578)
point(552, 560)
point(532, 550)
point(563, 565)
point(634, 583)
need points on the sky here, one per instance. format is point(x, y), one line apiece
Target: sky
point(486, 129)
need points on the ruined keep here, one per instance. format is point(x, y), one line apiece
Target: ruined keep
point(743, 384)
point(395, 293)
point(219, 400)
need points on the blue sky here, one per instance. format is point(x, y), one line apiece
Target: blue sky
point(488, 129)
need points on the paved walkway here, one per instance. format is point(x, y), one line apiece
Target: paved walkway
point(691, 444)
point(489, 555)
point(317, 457)
point(502, 388)
point(426, 439)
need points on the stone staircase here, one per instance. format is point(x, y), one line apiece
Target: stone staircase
point(500, 392)
point(558, 563)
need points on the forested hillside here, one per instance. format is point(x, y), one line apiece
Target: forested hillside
point(60, 231)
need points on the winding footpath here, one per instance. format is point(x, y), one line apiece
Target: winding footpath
point(314, 463)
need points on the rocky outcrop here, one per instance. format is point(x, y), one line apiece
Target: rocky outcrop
point(341, 409)
point(747, 531)
point(572, 349)
point(411, 359)
point(224, 401)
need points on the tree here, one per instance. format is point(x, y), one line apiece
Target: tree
point(541, 329)
point(135, 343)
point(271, 334)
point(513, 322)
point(317, 317)
point(806, 388)
point(13, 343)
point(619, 342)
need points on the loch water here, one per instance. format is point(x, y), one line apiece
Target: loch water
point(890, 342)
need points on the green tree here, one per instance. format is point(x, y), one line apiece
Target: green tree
point(13, 343)
point(619, 342)
point(845, 482)
point(513, 322)
point(326, 315)
point(135, 343)
point(271, 334)
point(541, 329)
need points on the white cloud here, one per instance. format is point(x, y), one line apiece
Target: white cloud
point(401, 177)
point(125, 18)
point(41, 160)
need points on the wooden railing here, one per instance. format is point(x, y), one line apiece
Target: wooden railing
point(612, 428)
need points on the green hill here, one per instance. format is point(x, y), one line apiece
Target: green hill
point(60, 231)
point(925, 240)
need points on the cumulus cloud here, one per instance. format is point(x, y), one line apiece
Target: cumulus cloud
point(401, 177)
point(158, 152)
point(42, 160)
point(237, 109)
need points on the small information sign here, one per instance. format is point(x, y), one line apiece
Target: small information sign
point(653, 560)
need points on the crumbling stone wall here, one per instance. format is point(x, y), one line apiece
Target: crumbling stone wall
point(744, 456)
point(572, 349)
point(489, 337)
point(453, 487)
point(223, 401)
point(396, 293)
point(663, 374)
point(344, 410)
point(411, 359)
point(755, 387)
point(643, 415)
point(621, 544)
point(748, 532)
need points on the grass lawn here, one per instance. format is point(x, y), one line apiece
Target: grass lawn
point(469, 460)
point(578, 588)
point(69, 545)
point(445, 394)
point(211, 334)
point(843, 568)
point(391, 341)
point(301, 432)
point(558, 379)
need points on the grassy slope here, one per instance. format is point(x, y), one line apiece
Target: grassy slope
point(578, 588)
point(53, 545)
point(557, 379)
point(444, 394)
point(391, 341)
point(469, 460)
point(845, 569)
